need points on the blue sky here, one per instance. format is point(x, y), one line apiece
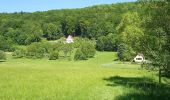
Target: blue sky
point(44, 5)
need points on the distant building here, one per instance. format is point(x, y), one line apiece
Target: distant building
point(69, 39)
point(139, 58)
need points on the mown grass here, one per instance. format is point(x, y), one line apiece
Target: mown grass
point(99, 78)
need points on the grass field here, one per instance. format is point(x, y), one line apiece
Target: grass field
point(99, 78)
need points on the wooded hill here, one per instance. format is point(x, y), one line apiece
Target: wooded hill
point(125, 27)
point(91, 22)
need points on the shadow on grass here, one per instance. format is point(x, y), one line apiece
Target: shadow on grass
point(1, 61)
point(144, 88)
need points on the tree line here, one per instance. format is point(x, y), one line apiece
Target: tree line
point(92, 22)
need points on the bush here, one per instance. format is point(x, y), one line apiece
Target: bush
point(52, 46)
point(67, 49)
point(86, 49)
point(18, 53)
point(127, 56)
point(2, 56)
point(79, 55)
point(39, 50)
point(125, 53)
point(35, 50)
point(54, 55)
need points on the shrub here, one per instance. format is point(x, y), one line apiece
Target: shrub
point(79, 55)
point(18, 53)
point(86, 49)
point(39, 50)
point(52, 46)
point(125, 53)
point(127, 56)
point(54, 55)
point(2, 55)
point(67, 49)
point(35, 50)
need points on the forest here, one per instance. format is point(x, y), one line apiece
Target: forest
point(131, 28)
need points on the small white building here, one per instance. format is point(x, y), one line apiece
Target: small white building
point(139, 58)
point(69, 39)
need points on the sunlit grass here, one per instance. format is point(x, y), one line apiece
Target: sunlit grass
point(41, 79)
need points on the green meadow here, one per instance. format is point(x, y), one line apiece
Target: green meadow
point(99, 78)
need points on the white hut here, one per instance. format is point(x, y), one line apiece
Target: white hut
point(139, 58)
point(69, 39)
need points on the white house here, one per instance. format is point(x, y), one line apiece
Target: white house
point(69, 39)
point(139, 58)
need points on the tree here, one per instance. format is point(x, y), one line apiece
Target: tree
point(125, 52)
point(52, 32)
point(157, 35)
point(68, 24)
point(91, 22)
point(32, 32)
point(101, 41)
point(26, 34)
point(82, 28)
point(130, 30)
point(120, 52)
point(107, 43)
point(132, 36)
point(5, 44)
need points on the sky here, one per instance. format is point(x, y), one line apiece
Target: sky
point(44, 5)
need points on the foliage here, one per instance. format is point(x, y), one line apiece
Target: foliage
point(54, 55)
point(19, 53)
point(156, 37)
point(67, 49)
point(52, 32)
point(35, 50)
point(85, 47)
point(130, 31)
point(24, 33)
point(25, 28)
point(32, 33)
point(129, 54)
point(2, 55)
point(79, 55)
point(5, 45)
point(125, 53)
point(120, 52)
point(107, 43)
point(88, 48)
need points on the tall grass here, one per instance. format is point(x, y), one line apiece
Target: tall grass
point(41, 79)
